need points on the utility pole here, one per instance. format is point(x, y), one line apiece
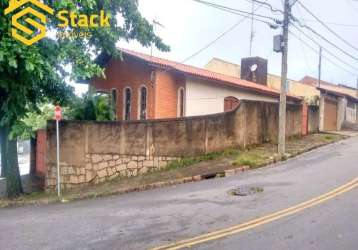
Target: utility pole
point(320, 67)
point(252, 27)
point(282, 112)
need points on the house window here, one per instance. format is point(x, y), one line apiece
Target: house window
point(114, 100)
point(230, 103)
point(181, 102)
point(127, 103)
point(143, 103)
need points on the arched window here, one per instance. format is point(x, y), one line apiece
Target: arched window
point(181, 102)
point(142, 103)
point(230, 103)
point(114, 100)
point(127, 103)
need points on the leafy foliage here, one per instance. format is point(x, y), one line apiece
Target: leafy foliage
point(89, 107)
point(31, 75)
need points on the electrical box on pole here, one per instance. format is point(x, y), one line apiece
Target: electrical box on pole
point(278, 43)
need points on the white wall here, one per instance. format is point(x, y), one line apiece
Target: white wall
point(203, 97)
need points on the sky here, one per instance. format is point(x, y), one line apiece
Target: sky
point(189, 26)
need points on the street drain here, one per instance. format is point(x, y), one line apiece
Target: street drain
point(245, 191)
point(212, 176)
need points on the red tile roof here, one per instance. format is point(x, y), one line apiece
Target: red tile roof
point(330, 87)
point(206, 74)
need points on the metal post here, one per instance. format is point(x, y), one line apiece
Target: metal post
point(58, 158)
point(252, 27)
point(282, 112)
point(357, 103)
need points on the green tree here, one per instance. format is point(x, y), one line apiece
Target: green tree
point(30, 75)
point(26, 128)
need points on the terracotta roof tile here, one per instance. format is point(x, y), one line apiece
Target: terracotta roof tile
point(205, 74)
point(330, 87)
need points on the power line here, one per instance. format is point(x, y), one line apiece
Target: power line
point(332, 23)
point(268, 5)
point(217, 38)
point(315, 50)
point(326, 26)
point(238, 12)
point(324, 38)
point(328, 51)
point(303, 48)
point(214, 41)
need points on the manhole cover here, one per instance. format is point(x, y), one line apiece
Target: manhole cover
point(245, 191)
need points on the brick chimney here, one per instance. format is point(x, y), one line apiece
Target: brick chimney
point(254, 69)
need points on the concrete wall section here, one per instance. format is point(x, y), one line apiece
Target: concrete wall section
point(313, 119)
point(341, 111)
point(203, 97)
point(321, 112)
point(92, 152)
point(223, 67)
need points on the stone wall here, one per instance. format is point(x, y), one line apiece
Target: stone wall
point(93, 152)
point(102, 167)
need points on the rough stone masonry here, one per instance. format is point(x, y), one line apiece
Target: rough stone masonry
point(102, 167)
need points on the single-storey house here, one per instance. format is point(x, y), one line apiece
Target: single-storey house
point(338, 104)
point(147, 87)
point(308, 92)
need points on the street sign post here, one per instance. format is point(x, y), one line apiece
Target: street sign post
point(58, 117)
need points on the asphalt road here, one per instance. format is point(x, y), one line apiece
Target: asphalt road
point(158, 217)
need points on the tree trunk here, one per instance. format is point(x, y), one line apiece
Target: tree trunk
point(13, 179)
point(12, 173)
point(3, 135)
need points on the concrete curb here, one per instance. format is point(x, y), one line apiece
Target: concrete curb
point(196, 178)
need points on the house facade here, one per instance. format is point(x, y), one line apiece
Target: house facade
point(148, 87)
point(308, 92)
point(338, 104)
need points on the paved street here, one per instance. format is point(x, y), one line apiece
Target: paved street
point(158, 217)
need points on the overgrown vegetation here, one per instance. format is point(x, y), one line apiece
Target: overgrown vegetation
point(251, 159)
point(188, 161)
point(329, 137)
point(92, 107)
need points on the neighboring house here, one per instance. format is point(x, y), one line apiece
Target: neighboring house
point(148, 87)
point(338, 104)
point(309, 93)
